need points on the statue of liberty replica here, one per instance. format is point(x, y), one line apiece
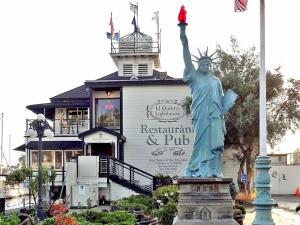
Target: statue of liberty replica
point(204, 197)
point(208, 107)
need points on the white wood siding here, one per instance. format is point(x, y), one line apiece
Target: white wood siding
point(135, 63)
point(117, 191)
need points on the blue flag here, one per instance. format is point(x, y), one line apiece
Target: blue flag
point(115, 37)
point(134, 24)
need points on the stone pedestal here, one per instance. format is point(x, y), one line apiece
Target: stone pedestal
point(204, 201)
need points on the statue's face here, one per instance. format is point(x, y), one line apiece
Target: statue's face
point(204, 66)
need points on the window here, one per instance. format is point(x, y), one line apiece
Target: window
point(50, 159)
point(79, 116)
point(72, 154)
point(108, 113)
point(58, 160)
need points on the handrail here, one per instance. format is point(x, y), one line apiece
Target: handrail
point(130, 176)
point(135, 168)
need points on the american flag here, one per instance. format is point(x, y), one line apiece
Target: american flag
point(111, 24)
point(133, 7)
point(240, 5)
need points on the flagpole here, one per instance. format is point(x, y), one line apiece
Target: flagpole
point(157, 23)
point(137, 16)
point(111, 32)
point(262, 84)
point(263, 202)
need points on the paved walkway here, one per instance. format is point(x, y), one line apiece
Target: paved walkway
point(283, 214)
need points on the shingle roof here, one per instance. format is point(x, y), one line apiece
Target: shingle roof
point(114, 76)
point(81, 91)
point(78, 92)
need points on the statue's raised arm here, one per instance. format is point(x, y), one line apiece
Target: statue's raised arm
point(186, 51)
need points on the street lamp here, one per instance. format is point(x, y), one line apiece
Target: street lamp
point(40, 128)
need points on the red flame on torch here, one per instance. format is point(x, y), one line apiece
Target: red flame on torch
point(182, 15)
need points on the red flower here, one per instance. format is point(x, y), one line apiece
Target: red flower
point(58, 209)
point(65, 220)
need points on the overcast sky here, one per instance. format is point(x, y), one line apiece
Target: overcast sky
point(49, 47)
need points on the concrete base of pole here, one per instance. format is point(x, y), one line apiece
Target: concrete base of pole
point(263, 202)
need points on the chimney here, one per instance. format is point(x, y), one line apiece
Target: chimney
point(162, 75)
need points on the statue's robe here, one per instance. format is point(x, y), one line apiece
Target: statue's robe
point(208, 123)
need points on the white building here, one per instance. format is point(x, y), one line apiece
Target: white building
point(121, 129)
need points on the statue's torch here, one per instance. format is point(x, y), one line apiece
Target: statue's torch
point(182, 16)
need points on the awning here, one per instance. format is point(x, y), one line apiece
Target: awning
point(54, 145)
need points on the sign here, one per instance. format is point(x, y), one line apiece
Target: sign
point(166, 111)
point(159, 133)
point(108, 106)
point(81, 189)
point(244, 178)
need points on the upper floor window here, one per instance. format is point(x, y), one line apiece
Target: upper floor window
point(79, 116)
point(108, 113)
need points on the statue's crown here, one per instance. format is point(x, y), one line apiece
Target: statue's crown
point(204, 56)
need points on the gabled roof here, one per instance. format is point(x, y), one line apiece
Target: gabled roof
point(105, 130)
point(79, 96)
point(78, 92)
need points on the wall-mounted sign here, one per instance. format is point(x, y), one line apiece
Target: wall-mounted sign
point(159, 134)
point(81, 189)
point(166, 110)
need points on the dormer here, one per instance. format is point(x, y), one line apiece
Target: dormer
point(136, 55)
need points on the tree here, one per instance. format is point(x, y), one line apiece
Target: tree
point(239, 71)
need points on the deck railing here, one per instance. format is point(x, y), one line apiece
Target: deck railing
point(67, 126)
point(135, 47)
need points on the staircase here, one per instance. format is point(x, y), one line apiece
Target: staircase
point(129, 176)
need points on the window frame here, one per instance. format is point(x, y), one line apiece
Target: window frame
point(97, 124)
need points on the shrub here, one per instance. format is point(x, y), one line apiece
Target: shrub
point(166, 194)
point(166, 213)
point(135, 202)
point(118, 218)
point(92, 216)
point(48, 221)
point(13, 219)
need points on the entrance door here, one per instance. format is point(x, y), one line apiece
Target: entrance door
point(102, 149)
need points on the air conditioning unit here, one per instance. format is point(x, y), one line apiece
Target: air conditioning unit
point(82, 193)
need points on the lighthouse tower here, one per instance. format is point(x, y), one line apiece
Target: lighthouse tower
point(136, 55)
